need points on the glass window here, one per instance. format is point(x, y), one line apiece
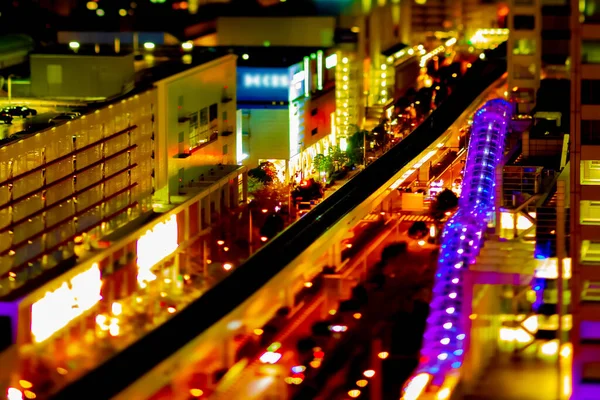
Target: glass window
point(524, 22)
point(589, 212)
point(589, 10)
point(590, 172)
point(590, 132)
point(204, 117)
point(213, 112)
point(523, 71)
point(225, 150)
point(590, 91)
point(524, 47)
point(590, 251)
point(591, 291)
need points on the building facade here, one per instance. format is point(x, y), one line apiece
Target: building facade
point(585, 198)
point(287, 113)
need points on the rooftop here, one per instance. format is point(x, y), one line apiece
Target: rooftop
point(82, 50)
point(266, 56)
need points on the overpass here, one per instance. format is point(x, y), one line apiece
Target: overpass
point(270, 278)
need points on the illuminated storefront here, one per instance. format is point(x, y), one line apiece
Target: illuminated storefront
point(286, 104)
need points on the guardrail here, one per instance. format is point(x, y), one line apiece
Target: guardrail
point(133, 362)
point(446, 335)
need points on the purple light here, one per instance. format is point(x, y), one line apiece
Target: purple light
point(461, 239)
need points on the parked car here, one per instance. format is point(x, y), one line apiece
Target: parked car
point(20, 111)
point(5, 117)
point(68, 116)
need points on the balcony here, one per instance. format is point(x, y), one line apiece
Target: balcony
point(227, 131)
point(226, 97)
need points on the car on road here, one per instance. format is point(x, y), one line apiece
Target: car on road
point(20, 111)
point(5, 117)
point(68, 116)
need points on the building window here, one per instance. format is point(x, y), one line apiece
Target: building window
point(591, 372)
point(590, 52)
point(54, 74)
point(590, 251)
point(590, 291)
point(589, 212)
point(590, 172)
point(224, 115)
point(524, 47)
point(524, 22)
point(589, 331)
point(180, 101)
point(204, 117)
point(213, 112)
point(590, 91)
point(314, 131)
point(314, 111)
point(523, 71)
point(225, 150)
point(181, 137)
point(590, 132)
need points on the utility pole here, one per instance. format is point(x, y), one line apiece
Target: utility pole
point(365, 148)
point(250, 247)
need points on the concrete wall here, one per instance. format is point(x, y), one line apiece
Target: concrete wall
point(268, 135)
point(80, 76)
point(291, 31)
point(322, 107)
point(182, 96)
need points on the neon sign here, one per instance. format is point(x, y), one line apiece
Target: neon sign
point(155, 245)
point(331, 61)
point(260, 81)
point(56, 309)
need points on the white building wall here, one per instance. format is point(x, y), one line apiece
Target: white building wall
point(186, 137)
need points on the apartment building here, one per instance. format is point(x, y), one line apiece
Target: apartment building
point(98, 208)
point(585, 197)
point(524, 52)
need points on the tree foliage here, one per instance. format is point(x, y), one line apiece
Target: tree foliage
point(445, 201)
point(266, 172)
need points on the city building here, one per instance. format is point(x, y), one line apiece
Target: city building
point(524, 56)
point(286, 106)
point(585, 197)
point(117, 199)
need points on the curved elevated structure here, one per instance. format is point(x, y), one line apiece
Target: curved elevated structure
point(461, 240)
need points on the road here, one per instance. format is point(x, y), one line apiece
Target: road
point(250, 384)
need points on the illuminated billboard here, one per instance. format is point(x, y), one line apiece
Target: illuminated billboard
point(154, 246)
point(59, 307)
point(263, 84)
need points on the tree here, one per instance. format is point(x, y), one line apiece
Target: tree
point(418, 230)
point(338, 157)
point(254, 184)
point(355, 149)
point(266, 172)
point(272, 226)
point(445, 201)
point(322, 163)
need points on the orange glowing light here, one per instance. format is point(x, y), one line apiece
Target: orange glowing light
point(61, 371)
point(357, 315)
point(315, 364)
point(171, 310)
point(25, 384)
point(263, 238)
point(383, 355)
point(264, 211)
point(308, 284)
point(220, 242)
point(349, 246)
point(227, 266)
point(369, 373)
point(332, 312)
point(354, 393)
point(362, 383)
point(258, 331)
point(225, 248)
point(196, 392)
point(29, 394)
point(183, 5)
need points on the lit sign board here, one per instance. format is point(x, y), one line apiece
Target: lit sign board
point(331, 61)
point(263, 84)
point(154, 246)
point(61, 306)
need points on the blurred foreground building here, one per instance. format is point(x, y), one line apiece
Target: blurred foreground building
point(97, 208)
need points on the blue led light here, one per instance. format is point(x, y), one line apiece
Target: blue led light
point(462, 238)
